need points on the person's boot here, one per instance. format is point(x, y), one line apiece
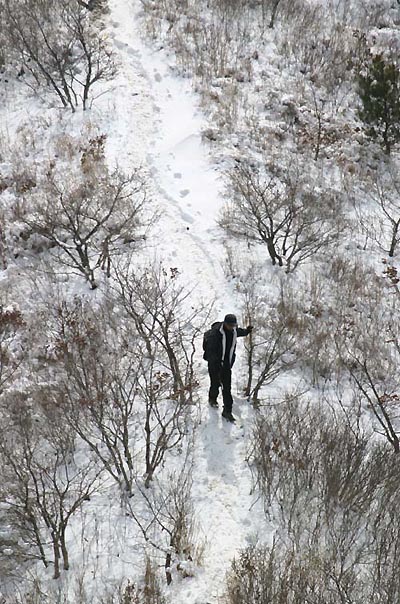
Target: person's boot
point(228, 416)
point(213, 402)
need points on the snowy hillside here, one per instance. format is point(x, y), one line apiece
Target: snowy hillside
point(162, 164)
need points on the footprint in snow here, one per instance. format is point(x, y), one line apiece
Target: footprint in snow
point(158, 77)
point(187, 217)
point(184, 192)
point(177, 175)
point(121, 45)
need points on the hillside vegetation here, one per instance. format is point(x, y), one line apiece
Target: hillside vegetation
point(119, 485)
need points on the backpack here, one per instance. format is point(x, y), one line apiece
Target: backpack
point(206, 338)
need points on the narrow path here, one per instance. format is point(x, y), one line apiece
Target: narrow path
point(222, 498)
point(160, 126)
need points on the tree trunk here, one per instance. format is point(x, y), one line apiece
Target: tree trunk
point(56, 550)
point(273, 253)
point(273, 13)
point(394, 241)
point(64, 550)
point(147, 430)
point(168, 569)
point(250, 366)
point(319, 135)
point(38, 539)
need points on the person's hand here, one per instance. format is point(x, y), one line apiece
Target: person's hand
point(250, 328)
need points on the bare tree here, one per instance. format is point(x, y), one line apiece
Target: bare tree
point(60, 46)
point(154, 300)
point(380, 218)
point(382, 400)
point(170, 525)
point(88, 215)
point(165, 419)
point(126, 387)
point(43, 484)
point(273, 347)
point(97, 387)
point(368, 348)
point(281, 212)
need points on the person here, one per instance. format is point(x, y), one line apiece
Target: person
point(219, 347)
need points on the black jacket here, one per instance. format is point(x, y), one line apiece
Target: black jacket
point(215, 341)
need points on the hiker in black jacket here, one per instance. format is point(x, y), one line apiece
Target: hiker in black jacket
point(219, 351)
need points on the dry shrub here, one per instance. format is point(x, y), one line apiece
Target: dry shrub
point(146, 591)
point(305, 452)
point(332, 493)
point(151, 593)
point(273, 575)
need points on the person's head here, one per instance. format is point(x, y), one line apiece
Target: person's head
point(230, 322)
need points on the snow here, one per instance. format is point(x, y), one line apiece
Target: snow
point(161, 127)
point(152, 118)
point(165, 133)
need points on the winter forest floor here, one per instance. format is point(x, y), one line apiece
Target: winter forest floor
point(161, 127)
point(297, 501)
point(152, 118)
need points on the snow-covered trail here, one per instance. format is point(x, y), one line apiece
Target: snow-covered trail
point(159, 125)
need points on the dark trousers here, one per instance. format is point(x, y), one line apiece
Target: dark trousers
point(220, 376)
